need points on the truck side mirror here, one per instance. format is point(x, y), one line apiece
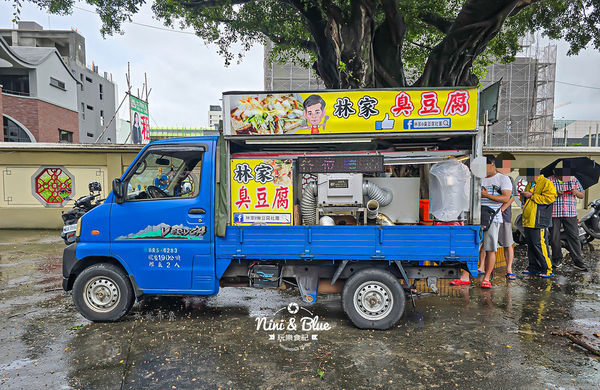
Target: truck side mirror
point(119, 190)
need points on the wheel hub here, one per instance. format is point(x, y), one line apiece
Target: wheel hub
point(373, 300)
point(101, 294)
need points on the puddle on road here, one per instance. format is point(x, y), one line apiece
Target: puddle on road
point(463, 337)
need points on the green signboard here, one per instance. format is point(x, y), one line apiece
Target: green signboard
point(140, 120)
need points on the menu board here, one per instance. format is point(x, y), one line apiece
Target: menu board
point(341, 164)
point(261, 192)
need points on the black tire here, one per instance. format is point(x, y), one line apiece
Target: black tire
point(103, 293)
point(383, 287)
point(589, 227)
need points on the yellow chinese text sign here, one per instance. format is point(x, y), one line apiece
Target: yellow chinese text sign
point(351, 111)
point(261, 192)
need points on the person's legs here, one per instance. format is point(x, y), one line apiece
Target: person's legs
point(509, 254)
point(537, 251)
point(573, 244)
point(464, 276)
point(541, 251)
point(531, 265)
point(545, 251)
point(490, 243)
point(481, 267)
point(555, 242)
point(505, 240)
point(490, 246)
point(490, 261)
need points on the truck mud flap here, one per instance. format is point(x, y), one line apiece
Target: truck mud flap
point(308, 282)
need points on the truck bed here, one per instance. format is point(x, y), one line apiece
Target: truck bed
point(362, 243)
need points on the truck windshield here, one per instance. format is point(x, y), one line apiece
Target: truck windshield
point(166, 174)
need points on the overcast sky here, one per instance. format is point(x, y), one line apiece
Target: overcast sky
point(186, 75)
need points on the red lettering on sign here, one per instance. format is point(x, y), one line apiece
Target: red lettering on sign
point(403, 105)
point(261, 197)
point(244, 198)
point(457, 104)
point(281, 199)
point(429, 101)
point(145, 123)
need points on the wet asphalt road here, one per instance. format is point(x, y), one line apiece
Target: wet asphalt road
point(464, 338)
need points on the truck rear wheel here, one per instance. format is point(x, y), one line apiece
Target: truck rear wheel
point(102, 293)
point(373, 299)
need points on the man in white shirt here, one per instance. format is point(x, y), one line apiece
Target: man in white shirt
point(496, 189)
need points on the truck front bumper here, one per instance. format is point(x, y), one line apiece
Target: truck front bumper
point(68, 262)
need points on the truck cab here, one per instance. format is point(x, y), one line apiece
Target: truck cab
point(159, 217)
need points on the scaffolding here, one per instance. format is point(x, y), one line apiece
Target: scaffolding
point(526, 97)
point(288, 77)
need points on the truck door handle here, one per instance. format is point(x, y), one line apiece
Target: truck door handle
point(196, 211)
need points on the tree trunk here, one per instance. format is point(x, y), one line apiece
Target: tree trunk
point(352, 53)
point(351, 36)
point(449, 63)
point(387, 45)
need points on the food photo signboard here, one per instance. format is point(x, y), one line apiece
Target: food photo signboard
point(350, 111)
point(261, 192)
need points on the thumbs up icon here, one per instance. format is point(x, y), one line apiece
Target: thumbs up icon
point(385, 124)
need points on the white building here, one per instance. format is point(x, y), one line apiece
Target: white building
point(215, 115)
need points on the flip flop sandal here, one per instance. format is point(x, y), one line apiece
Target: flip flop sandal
point(510, 276)
point(527, 272)
point(486, 284)
point(479, 273)
point(458, 282)
point(545, 276)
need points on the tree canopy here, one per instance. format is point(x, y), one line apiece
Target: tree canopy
point(369, 43)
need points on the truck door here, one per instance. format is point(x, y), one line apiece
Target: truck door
point(164, 228)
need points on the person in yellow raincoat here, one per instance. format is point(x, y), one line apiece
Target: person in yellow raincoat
point(537, 200)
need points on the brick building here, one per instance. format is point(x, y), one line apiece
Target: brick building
point(96, 95)
point(38, 99)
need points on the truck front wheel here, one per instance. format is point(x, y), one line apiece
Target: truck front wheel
point(102, 293)
point(373, 299)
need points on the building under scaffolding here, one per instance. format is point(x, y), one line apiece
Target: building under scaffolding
point(288, 77)
point(526, 98)
point(526, 94)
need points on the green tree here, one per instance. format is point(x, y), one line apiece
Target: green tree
point(369, 43)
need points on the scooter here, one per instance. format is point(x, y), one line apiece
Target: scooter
point(585, 237)
point(590, 222)
point(81, 206)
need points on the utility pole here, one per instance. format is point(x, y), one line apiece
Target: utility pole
point(128, 77)
point(146, 87)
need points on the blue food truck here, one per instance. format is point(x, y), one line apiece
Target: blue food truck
point(325, 191)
